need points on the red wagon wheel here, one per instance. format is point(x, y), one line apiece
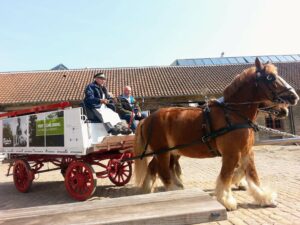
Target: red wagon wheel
point(119, 173)
point(23, 175)
point(79, 180)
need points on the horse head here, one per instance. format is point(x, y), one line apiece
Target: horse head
point(273, 92)
point(263, 86)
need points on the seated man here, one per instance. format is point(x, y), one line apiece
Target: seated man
point(96, 94)
point(129, 109)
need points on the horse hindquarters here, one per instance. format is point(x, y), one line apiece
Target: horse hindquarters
point(145, 174)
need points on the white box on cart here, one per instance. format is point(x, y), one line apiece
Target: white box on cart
point(56, 132)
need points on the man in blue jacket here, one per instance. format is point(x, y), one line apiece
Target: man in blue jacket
point(96, 94)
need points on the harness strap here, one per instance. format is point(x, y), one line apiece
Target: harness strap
point(163, 150)
point(225, 130)
point(207, 127)
point(204, 139)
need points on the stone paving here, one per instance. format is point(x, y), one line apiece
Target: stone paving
point(278, 168)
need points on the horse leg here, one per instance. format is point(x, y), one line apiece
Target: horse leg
point(150, 177)
point(176, 170)
point(165, 173)
point(223, 187)
point(238, 178)
point(261, 196)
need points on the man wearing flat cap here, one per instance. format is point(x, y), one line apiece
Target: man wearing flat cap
point(96, 94)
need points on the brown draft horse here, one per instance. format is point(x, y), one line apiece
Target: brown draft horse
point(254, 87)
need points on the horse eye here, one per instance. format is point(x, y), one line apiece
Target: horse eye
point(270, 77)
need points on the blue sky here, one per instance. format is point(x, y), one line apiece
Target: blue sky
point(38, 35)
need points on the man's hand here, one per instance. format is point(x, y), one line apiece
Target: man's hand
point(103, 101)
point(139, 114)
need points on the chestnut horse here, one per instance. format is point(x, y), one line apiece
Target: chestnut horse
point(168, 127)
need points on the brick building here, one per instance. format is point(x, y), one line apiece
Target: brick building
point(185, 80)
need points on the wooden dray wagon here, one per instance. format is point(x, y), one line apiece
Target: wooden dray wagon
point(63, 136)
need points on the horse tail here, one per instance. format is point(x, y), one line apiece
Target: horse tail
point(140, 165)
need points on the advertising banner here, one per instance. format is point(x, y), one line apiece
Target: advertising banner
point(46, 129)
point(54, 123)
point(15, 132)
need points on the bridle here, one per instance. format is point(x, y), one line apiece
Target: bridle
point(268, 81)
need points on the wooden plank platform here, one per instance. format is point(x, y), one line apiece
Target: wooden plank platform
point(190, 206)
point(116, 142)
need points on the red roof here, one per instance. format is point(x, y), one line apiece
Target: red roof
point(68, 85)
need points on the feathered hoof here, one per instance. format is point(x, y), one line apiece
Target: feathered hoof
point(268, 200)
point(229, 202)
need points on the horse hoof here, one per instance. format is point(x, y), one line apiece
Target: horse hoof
point(229, 203)
point(242, 185)
point(269, 200)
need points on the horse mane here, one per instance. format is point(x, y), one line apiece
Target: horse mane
point(245, 77)
point(238, 82)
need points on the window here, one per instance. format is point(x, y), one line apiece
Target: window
point(264, 59)
point(274, 58)
point(224, 61)
point(216, 61)
point(232, 60)
point(241, 60)
point(296, 57)
point(207, 62)
point(250, 59)
point(273, 123)
point(289, 58)
point(199, 62)
point(281, 58)
point(187, 62)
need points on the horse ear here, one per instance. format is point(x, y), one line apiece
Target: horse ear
point(258, 64)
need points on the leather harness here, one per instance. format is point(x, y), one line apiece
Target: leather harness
point(205, 139)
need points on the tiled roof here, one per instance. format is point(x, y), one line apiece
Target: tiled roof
point(68, 85)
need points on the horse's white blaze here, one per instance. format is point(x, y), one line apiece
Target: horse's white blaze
point(291, 89)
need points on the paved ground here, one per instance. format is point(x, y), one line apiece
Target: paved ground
point(278, 167)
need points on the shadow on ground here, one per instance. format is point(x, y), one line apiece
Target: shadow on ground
point(51, 193)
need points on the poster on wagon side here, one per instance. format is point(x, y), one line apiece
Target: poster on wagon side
point(36, 130)
point(46, 130)
point(54, 123)
point(15, 132)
